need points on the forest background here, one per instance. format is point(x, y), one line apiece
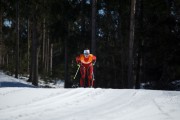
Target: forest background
point(135, 41)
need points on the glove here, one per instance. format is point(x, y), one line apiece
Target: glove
point(93, 63)
point(78, 64)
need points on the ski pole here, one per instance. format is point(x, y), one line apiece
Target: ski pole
point(77, 71)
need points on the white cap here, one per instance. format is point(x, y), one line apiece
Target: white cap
point(86, 51)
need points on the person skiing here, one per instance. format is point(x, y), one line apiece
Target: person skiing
point(86, 62)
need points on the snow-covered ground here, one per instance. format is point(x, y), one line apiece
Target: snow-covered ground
point(25, 102)
point(7, 81)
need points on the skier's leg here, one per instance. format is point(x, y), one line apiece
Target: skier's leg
point(83, 74)
point(90, 76)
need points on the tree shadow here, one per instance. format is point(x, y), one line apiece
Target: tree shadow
point(14, 84)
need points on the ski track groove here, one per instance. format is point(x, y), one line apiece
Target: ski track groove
point(38, 100)
point(12, 91)
point(124, 103)
point(161, 110)
point(66, 102)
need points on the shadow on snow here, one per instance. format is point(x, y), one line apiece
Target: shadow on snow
point(14, 84)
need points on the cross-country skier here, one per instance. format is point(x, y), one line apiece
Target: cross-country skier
point(86, 62)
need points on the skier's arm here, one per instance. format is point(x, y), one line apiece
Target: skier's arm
point(94, 60)
point(78, 61)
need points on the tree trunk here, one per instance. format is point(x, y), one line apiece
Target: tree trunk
point(131, 45)
point(1, 38)
point(93, 39)
point(7, 60)
point(66, 64)
point(83, 36)
point(44, 52)
point(34, 55)
point(122, 45)
point(140, 43)
point(43, 44)
point(31, 63)
point(17, 39)
point(51, 58)
point(28, 45)
point(30, 37)
point(93, 34)
point(47, 54)
point(28, 40)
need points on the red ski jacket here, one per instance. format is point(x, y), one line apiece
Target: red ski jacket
point(86, 62)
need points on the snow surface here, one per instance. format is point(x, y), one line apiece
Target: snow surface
point(22, 101)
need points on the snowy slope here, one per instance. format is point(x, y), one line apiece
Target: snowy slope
point(7, 81)
point(27, 103)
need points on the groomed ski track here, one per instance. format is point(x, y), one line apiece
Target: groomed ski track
point(25, 103)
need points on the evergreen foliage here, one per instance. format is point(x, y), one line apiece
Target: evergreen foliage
point(63, 27)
